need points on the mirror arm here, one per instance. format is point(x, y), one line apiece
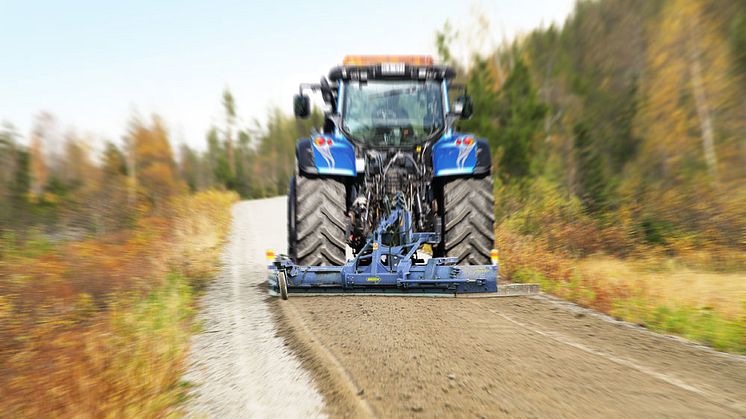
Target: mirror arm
point(451, 119)
point(331, 98)
point(337, 119)
point(308, 86)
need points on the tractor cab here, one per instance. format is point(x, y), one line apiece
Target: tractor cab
point(387, 101)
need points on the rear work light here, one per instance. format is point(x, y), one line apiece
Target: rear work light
point(465, 140)
point(319, 141)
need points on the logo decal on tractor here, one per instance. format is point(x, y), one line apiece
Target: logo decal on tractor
point(323, 145)
point(465, 146)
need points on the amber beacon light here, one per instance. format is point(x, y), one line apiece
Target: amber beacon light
point(378, 59)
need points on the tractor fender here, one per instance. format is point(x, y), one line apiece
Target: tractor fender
point(326, 155)
point(461, 154)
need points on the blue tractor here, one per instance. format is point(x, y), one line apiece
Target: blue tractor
point(386, 176)
point(389, 134)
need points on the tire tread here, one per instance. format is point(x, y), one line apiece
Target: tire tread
point(320, 222)
point(468, 225)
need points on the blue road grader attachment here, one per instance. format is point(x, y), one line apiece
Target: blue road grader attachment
point(387, 264)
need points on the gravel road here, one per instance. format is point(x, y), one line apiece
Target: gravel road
point(239, 366)
point(503, 357)
point(434, 357)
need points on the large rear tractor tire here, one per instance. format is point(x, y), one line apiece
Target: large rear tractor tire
point(317, 221)
point(468, 220)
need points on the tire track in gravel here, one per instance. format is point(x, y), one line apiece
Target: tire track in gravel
point(238, 366)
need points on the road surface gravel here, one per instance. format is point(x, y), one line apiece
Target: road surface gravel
point(504, 357)
point(239, 367)
point(435, 357)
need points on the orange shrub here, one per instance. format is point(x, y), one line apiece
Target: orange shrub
point(100, 327)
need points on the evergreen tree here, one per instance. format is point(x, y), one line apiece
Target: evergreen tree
point(590, 168)
point(520, 114)
point(8, 159)
point(20, 189)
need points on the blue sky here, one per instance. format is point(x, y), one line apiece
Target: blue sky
point(94, 63)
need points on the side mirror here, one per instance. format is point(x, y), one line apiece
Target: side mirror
point(463, 107)
point(301, 106)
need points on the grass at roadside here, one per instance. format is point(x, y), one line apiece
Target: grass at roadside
point(707, 307)
point(101, 327)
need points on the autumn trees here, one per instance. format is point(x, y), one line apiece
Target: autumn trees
point(60, 186)
point(69, 185)
point(634, 108)
point(154, 176)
